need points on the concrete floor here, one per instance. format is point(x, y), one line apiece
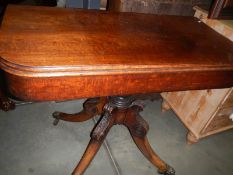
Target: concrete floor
point(31, 145)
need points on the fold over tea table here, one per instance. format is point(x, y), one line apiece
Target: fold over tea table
point(58, 54)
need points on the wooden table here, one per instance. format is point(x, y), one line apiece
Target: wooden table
point(58, 54)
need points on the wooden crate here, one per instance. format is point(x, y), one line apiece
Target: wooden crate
point(203, 112)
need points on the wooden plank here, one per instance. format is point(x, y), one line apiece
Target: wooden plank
point(229, 100)
point(221, 121)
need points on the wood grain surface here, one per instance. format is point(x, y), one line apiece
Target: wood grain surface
point(71, 53)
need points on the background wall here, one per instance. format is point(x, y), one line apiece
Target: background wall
point(171, 7)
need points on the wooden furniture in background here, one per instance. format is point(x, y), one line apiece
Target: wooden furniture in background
point(84, 54)
point(221, 9)
point(169, 7)
point(204, 112)
point(223, 27)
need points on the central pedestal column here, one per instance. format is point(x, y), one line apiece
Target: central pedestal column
point(114, 110)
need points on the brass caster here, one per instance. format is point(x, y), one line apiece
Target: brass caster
point(56, 116)
point(169, 171)
point(7, 105)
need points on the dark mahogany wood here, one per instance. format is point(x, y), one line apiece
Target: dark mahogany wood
point(127, 115)
point(221, 9)
point(91, 108)
point(59, 54)
point(69, 53)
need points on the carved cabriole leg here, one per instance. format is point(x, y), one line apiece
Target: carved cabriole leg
point(138, 128)
point(87, 157)
point(91, 108)
point(97, 137)
point(5, 103)
point(119, 110)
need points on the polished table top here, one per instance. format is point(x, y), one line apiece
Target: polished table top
point(56, 54)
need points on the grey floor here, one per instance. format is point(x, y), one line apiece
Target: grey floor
point(31, 145)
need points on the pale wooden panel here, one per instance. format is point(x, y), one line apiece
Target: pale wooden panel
point(224, 27)
point(220, 121)
point(229, 101)
point(194, 108)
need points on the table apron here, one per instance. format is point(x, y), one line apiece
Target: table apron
point(76, 87)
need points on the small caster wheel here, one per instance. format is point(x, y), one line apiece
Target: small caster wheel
point(169, 171)
point(56, 116)
point(7, 105)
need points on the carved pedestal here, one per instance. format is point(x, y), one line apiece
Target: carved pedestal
point(114, 110)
